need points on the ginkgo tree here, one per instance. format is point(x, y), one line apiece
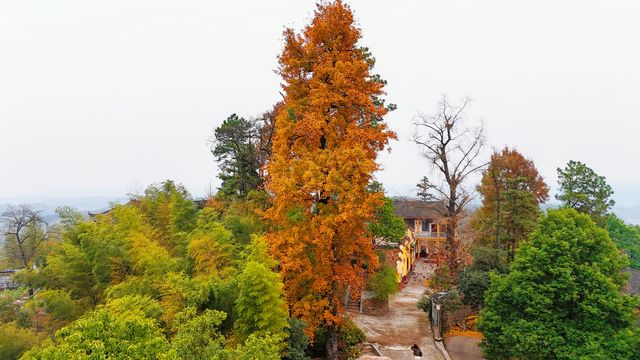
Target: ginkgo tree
point(327, 138)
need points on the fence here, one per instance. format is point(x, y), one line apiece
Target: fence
point(443, 319)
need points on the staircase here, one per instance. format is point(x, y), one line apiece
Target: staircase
point(370, 349)
point(353, 305)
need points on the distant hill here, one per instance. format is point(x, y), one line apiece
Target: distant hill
point(630, 214)
point(627, 197)
point(48, 205)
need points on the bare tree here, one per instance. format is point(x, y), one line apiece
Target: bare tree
point(265, 124)
point(24, 231)
point(451, 149)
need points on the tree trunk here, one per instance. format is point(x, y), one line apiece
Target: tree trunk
point(452, 224)
point(23, 256)
point(452, 245)
point(498, 209)
point(332, 343)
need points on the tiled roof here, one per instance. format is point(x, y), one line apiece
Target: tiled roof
point(419, 209)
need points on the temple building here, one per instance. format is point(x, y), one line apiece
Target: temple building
point(424, 239)
point(426, 223)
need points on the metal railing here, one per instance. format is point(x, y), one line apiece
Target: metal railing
point(431, 234)
point(8, 285)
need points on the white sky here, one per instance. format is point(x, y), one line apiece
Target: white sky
point(102, 97)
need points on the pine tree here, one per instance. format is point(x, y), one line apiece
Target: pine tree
point(584, 190)
point(235, 151)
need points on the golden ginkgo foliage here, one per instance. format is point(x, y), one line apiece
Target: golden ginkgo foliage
point(325, 146)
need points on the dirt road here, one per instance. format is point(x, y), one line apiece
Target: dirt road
point(463, 348)
point(404, 324)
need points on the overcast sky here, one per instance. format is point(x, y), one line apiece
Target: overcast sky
point(105, 97)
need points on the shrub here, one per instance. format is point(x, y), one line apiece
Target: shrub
point(424, 303)
point(474, 281)
point(490, 259)
point(319, 345)
point(442, 278)
point(297, 340)
point(9, 308)
point(349, 337)
point(473, 284)
point(453, 301)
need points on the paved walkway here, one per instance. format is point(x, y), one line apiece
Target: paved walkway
point(404, 324)
point(463, 348)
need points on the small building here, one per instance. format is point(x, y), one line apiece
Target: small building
point(426, 222)
point(6, 280)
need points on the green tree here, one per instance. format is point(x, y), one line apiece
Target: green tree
point(156, 278)
point(53, 309)
point(265, 347)
point(475, 280)
point(123, 329)
point(235, 151)
point(14, 340)
point(520, 217)
point(297, 340)
point(169, 209)
point(512, 190)
point(383, 282)
point(69, 217)
point(198, 336)
point(627, 237)
point(562, 298)
point(260, 305)
point(68, 267)
point(211, 248)
point(95, 254)
point(242, 227)
point(387, 226)
point(584, 190)
point(121, 249)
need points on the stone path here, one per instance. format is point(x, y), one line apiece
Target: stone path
point(404, 324)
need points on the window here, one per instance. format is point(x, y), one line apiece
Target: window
point(411, 223)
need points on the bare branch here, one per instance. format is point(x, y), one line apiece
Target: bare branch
point(451, 149)
point(24, 231)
